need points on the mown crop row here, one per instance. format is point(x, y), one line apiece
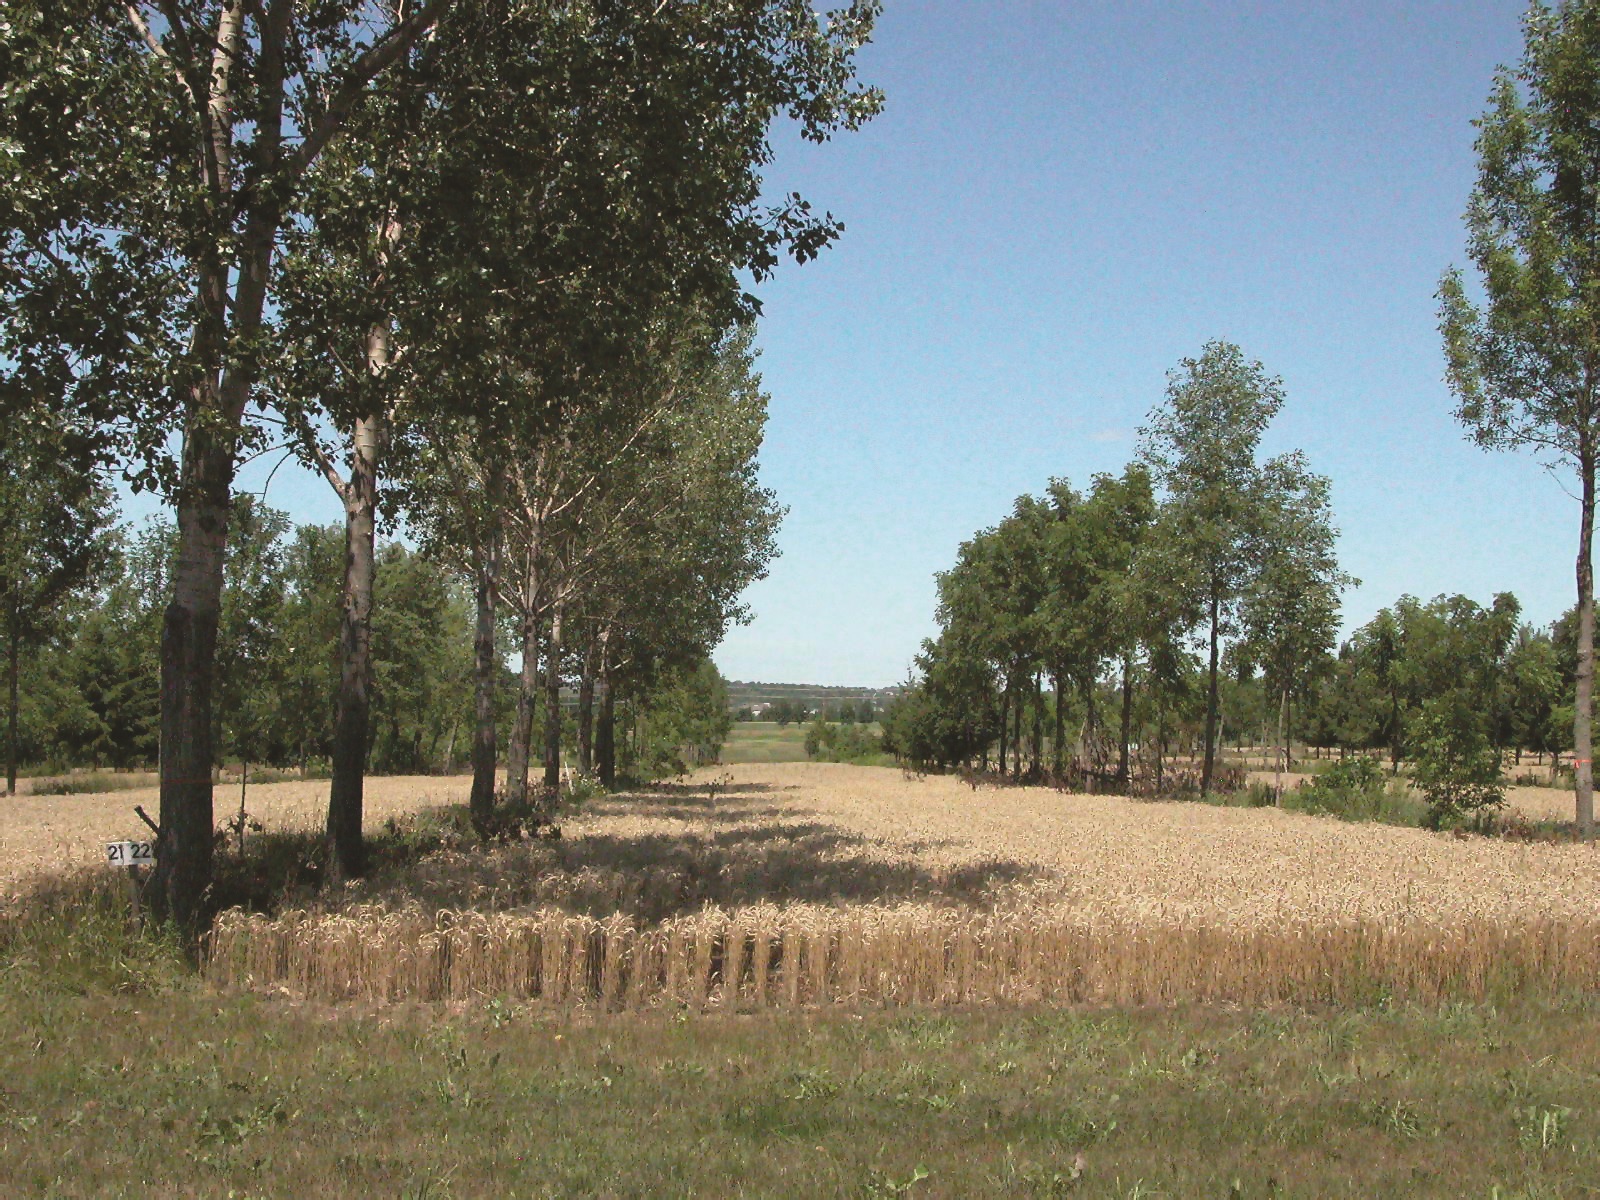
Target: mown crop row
point(807, 955)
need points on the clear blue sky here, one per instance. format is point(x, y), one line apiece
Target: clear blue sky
point(1061, 201)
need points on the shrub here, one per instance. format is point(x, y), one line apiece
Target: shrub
point(1356, 789)
point(827, 742)
point(1457, 770)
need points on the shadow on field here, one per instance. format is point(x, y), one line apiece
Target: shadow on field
point(699, 795)
point(732, 854)
point(689, 810)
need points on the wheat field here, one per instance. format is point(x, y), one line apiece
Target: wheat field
point(43, 834)
point(826, 883)
point(816, 883)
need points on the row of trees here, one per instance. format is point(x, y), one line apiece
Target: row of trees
point(92, 693)
point(1197, 539)
point(464, 257)
point(1417, 666)
point(90, 690)
point(786, 712)
point(1523, 361)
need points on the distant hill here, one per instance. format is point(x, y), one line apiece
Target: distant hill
point(742, 694)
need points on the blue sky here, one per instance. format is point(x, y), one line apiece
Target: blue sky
point(1060, 202)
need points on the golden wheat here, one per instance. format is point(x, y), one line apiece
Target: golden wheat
point(807, 955)
point(821, 884)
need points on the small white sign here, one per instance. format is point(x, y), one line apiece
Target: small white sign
point(131, 854)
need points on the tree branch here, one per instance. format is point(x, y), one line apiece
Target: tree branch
point(308, 441)
point(372, 62)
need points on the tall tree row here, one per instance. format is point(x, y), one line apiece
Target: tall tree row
point(1524, 363)
point(1197, 546)
point(346, 221)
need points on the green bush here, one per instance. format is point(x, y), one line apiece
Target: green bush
point(827, 742)
point(1457, 770)
point(1356, 789)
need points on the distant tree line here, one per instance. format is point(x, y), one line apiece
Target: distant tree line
point(794, 712)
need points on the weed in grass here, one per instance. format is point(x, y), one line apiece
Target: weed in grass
point(811, 1085)
point(1397, 1118)
point(1046, 1182)
point(1540, 1127)
point(881, 1183)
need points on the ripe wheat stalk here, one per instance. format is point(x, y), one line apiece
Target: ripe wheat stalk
point(870, 955)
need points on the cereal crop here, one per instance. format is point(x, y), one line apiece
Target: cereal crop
point(824, 884)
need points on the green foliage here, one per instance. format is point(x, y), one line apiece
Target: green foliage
point(1357, 789)
point(1521, 365)
point(846, 742)
point(787, 711)
point(95, 685)
point(681, 724)
point(1457, 769)
point(80, 934)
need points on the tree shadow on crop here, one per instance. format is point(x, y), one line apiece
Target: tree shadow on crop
point(734, 854)
point(697, 793)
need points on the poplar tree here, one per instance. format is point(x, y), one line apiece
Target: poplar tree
point(1201, 447)
point(1524, 362)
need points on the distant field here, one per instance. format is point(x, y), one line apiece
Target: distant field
point(765, 742)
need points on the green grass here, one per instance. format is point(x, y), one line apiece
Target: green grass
point(765, 741)
point(122, 1074)
point(183, 1093)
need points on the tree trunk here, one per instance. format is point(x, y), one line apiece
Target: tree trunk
point(352, 715)
point(586, 712)
point(552, 718)
point(1016, 735)
point(520, 752)
point(1583, 703)
point(486, 668)
point(605, 733)
point(1288, 732)
point(1091, 726)
point(1123, 771)
point(1209, 761)
point(1394, 732)
point(1059, 748)
point(1161, 741)
point(188, 659)
point(1005, 726)
point(1283, 748)
point(13, 673)
point(1034, 765)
